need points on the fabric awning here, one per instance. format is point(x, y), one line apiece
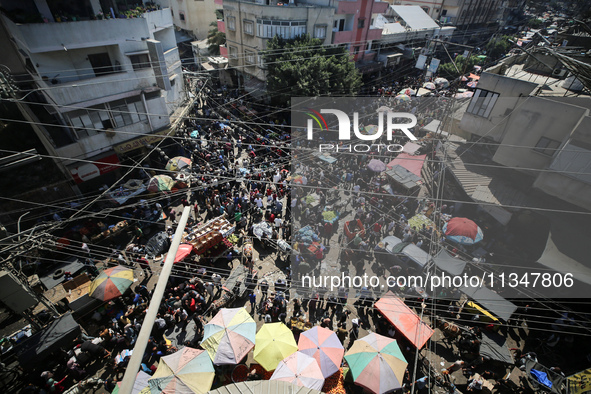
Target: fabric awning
point(448, 263)
point(404, 319)
point(411, 148)
point(491, 301)
point(416, 254)
point(413, 164)
point(414, 17)
point(495, 347)
point(61, 332)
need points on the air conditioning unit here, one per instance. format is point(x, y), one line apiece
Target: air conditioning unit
point(559, 72)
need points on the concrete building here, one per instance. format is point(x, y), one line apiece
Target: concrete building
point(194, 16)
point(249, 25)
point(535, 126)
point(458, 12)
point(108, 85)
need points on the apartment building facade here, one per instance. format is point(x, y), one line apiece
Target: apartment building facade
point(108, 85)
point(195, 16)
point(249, 26)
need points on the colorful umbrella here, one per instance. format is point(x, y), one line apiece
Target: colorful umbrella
point(377, 363)
point(383, 108)
point(403, 97)
point(408, 92)
point(183, 251)
point(194, 134)
point(140, 386)
point(376, 165)
point(429, 85)
point(274, 342)
point(111, 283)
point(324, 345)
point(369, 129)
point(444, 83)
point(463, 231)
point(160, 183)
point(472, 84)
point(229, 336)
point(300, 369)
point(184, 372)
point(178, 163)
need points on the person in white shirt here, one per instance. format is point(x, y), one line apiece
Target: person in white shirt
point(259, 202)
point(278, 222)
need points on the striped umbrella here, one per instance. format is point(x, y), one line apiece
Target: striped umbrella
point(178, 163)
point(403, 97)
point(300, 369)
point(377, 363)
point(160, 183)
point(324, 345)
point(184, 372)
point(229, 336)
point(111, 283)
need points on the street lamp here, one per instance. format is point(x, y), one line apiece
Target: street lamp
point(18, 224)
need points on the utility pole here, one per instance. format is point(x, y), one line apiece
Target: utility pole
point(142, 340)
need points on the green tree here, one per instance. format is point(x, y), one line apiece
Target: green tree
point(447, 70)
point(498, 47)
point(303, 67)
point(534, 23)
point(215, 38)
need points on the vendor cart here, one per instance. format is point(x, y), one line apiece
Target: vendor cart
point(542, 379)
point(353, 228)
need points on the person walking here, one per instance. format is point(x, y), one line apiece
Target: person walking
point(253, 301)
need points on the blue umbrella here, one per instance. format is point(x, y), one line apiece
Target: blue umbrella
point(194, 134)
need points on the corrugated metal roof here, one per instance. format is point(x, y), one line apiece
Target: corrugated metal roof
point(414, 17)
point(263, 387)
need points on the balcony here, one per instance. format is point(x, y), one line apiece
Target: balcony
point(96, 89)
point(53, 37)
point(342, 37)
point(347, 7)
point(374, 34)
point(221, 26)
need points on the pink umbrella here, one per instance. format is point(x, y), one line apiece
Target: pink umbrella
point(300, 369)
point(324, 345)
point(472, 84)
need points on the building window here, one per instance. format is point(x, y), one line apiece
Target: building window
point(546, 146)
point(250, 57)
point(248, 27)
point(426, 9)
point(361, 23)
point(356, 50)
point(444, 13)
point(233, 52)
point(320, 31)
point(182, 16)
point(482, 103)
point(101, 64)
point(140, 61)
point(120, 113)
point(232, 23)
point(339, 25)
point(285, 29)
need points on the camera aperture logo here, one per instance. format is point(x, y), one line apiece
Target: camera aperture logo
point(344, 127)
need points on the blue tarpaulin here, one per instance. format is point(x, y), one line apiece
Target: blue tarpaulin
point(541, 377)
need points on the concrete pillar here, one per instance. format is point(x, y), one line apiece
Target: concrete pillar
point(44, 10)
